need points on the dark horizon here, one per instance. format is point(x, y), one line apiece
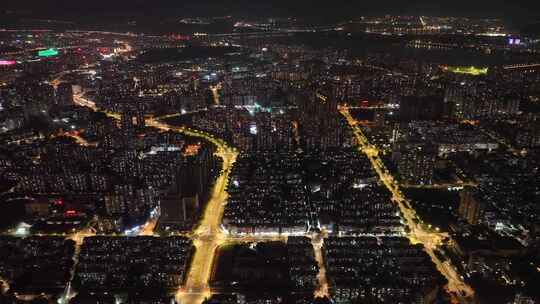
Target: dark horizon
point(97, 9)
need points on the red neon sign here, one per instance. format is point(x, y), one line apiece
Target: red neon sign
point(8, 62)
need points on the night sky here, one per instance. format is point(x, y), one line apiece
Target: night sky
point(309, 8)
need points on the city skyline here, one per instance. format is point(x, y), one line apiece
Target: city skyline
point(339, 9)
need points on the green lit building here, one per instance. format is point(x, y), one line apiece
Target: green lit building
point(48, 53)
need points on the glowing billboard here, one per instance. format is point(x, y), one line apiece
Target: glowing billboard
point(7, 62)
point(48, 53)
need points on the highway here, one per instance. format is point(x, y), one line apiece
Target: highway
point(418, 233)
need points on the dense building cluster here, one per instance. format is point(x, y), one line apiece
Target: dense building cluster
point(268, 270)
point(284, 158)
point(132, 264)
point(383, 270)
point(266, 195)
point(447, 137)
point(500, 203)
point(293, 193)
point(36, 265)
point(126, 175)
point(250, 128)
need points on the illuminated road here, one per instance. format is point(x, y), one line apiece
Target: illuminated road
point(231, 239)
point(418, 232)
point(83, 102)
point(442, 186)
point(215, 93)
point(208, 235)
point(57, 79)
point(322, 287)
point(502, 141)
point(81, 141)
point(422, 21)
point(296, 132)
point(149, 227)
point(78, 238)
point(78, 139)
point(167, 116)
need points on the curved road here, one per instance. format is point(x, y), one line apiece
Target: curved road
point(208, 235)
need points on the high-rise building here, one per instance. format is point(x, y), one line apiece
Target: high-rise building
point(528, 136)
point(98, 182)
point(321, 126)
point(421, 108)
point(141, 123)
point(195, 175)
point(416, 162)
point(37, 99)
point(134, 203)
point(64, 94)
point(126, 120)
point(459, 98)
point(470, 100)
point(470, 207)
point(178, 212)
point(132, 117)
